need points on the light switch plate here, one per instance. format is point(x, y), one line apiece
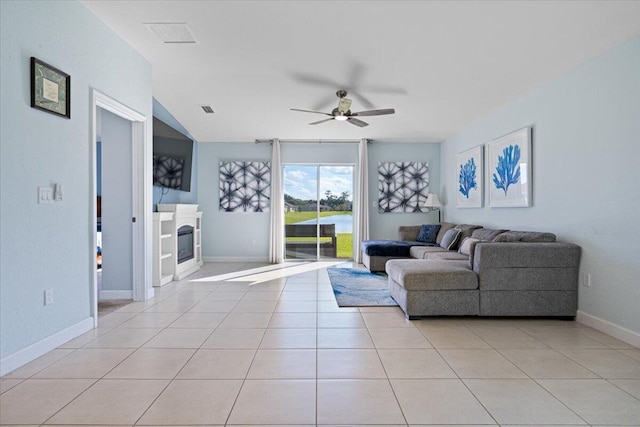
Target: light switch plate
point(45, 195)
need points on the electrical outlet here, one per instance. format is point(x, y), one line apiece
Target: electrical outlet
point(587, 280)
point(48, 296)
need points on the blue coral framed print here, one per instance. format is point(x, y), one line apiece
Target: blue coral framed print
point(509, 174)
point(469, 176)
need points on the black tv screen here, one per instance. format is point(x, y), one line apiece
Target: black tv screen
point(167, 172)
point(172, 157)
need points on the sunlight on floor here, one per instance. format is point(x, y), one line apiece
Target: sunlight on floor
point(270, 272)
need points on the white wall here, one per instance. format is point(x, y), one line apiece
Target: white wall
point(586, 148)
point(117, 209)
point(230, 235)
point(50, 246)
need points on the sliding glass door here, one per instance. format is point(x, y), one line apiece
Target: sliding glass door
point(318, 207)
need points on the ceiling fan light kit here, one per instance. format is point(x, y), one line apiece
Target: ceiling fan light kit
point(342, 113)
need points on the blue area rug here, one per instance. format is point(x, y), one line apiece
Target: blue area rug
point(360, 288)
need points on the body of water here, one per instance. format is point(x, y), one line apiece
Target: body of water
point(344, 223)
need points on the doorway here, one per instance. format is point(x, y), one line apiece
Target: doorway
point(141, 200)
point(318, 211)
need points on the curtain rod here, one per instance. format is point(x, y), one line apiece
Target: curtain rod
point(317, 141)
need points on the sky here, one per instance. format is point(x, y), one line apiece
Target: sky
point(300, 181)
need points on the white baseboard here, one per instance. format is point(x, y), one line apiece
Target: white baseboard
point(616, 331)
point(234, 259)
point(107, 295)
point(35, 350)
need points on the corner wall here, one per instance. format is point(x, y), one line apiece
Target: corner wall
point(586, 147)
point(50, 246)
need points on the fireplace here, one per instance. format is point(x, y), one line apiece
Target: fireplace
point(185, 243)
point(177, 251)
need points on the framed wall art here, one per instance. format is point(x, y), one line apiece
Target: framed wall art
point(50, 89)
point(510, 170)
point(403, 186)
point(245, 186)
point(469, 170)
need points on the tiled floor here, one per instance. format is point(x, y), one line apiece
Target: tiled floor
point(249, 344)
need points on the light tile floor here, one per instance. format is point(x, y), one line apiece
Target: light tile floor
point(254, 344)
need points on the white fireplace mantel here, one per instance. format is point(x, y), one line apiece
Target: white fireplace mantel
point(166, 222)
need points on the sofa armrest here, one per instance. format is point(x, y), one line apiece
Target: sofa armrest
point(525, 255)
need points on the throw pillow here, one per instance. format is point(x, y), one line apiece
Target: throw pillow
point(428, 233)
point(450, 239)
point(467, 243)
point(444, 227)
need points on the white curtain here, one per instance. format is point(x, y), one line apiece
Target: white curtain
point(362, 202)
point(276, 238)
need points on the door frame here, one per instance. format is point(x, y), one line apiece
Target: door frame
point(141, 148)
point(318, 166)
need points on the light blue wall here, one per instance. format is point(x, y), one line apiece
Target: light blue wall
point(586, 146)
point(175, 196)
point(232, 235)
point(385, 225)
point(50, 246)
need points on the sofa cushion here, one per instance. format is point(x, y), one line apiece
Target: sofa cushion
point(466, 245)
point(428, 233)
point(396, 248)
point(466, 231)
point(447, 255)
point(444, 227)
point(525, 236)
point(486, 234)
point(423, 275)
point(422, 252)
point(408, 232)
point(450, 239)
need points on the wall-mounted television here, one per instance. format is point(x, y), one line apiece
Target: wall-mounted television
point(172, 157)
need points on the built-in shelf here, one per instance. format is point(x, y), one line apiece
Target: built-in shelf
point(166, 223)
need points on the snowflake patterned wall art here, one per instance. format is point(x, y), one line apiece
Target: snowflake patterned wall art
point(403, 186)
point(245, 186)
point(469, 175)
point(510, 170)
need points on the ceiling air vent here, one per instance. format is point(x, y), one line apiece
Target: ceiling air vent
point(207, 109)
point(172, 32)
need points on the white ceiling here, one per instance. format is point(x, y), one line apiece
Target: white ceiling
point(440, 64)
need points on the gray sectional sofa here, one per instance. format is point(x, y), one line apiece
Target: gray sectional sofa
point(498, 273)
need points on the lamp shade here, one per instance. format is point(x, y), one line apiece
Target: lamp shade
point(432, 201)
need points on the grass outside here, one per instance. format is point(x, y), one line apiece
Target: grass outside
point(344, 240)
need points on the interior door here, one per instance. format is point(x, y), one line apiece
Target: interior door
point(117, 206)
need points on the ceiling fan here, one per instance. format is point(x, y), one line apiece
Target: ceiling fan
point(343, 113)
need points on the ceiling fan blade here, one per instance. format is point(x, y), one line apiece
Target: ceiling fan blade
point(310, 111)
point(357, 122)
point(326, 103)
point(374, 112)
point(313, 80)
point(364, 101)
point(321, 121)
